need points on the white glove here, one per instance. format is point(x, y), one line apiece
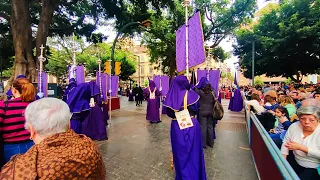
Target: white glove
point(160, 89)
point(109, 91)
point(40, 94)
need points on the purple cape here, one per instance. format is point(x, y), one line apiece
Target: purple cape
point(202, 83)
point(177, 90)
point(131, 96)
point(94, 126)
point(78, 98)
point(236, 102)
point(186, 144)
point(153, 105)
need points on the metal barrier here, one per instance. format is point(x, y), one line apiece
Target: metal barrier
point(267, 157)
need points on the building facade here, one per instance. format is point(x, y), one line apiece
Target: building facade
point(144, 69)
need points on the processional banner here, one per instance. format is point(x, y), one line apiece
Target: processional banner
point(103, 85)
point(164, 83)
point(196, 49)
point(214, 77)
point(200, 74)
point(80, 74)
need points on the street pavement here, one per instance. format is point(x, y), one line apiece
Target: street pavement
point(138, 150)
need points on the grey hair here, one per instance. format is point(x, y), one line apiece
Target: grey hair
point(310, 102)
point(48, 116)
point(311, 110)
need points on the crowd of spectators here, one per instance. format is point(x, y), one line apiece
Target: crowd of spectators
point(290, 114)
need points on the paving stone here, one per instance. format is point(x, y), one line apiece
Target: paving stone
point(138, 150)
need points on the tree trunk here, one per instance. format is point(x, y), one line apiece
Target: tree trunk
point(48, 7)
point(298, 79)
point(22, 38)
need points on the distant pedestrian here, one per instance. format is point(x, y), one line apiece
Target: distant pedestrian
point(136, 94)
point(141, 98)
point(152, 94)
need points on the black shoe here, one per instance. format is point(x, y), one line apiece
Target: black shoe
point(158, 121)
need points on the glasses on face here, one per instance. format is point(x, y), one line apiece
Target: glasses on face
point(311, 120)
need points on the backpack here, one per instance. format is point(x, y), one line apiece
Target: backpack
point(218, 111)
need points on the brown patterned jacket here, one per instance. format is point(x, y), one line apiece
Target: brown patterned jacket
point(61, 156)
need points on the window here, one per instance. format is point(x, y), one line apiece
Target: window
point(142, 70)
point(142, 58)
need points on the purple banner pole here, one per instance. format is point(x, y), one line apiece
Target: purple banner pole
point(103, 84)
point(80, 74)
point(156, 80)
point(214, 77)
point(196, 49)
point(200, 74)
point(164, 83)
point(114, 85)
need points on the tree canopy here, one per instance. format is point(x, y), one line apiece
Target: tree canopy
point(61, 56)
point(25, 25)
point(223, 16)
point(287, 41)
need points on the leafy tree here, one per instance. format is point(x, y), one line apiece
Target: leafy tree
point(219, 54)
point(88, 55)
point(287, 41)
point(258, 81)
point(146, 83)
point(224, 16)
point(288, 81)
point(57, 64)
point(31, 22)
point(230, 77)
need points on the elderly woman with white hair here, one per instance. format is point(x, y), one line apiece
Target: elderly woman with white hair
point(303, 138)
point(58, 153)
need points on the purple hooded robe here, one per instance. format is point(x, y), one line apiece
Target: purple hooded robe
point(153, 114)
point(186, 144)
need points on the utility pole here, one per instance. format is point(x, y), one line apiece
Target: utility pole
point(253, 53)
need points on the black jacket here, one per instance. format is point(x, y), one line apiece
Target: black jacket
point(206, 103)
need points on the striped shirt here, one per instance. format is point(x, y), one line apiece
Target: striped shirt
point(12, 121)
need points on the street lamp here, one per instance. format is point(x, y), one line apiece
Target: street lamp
point(253, 53)
point(145, 23)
